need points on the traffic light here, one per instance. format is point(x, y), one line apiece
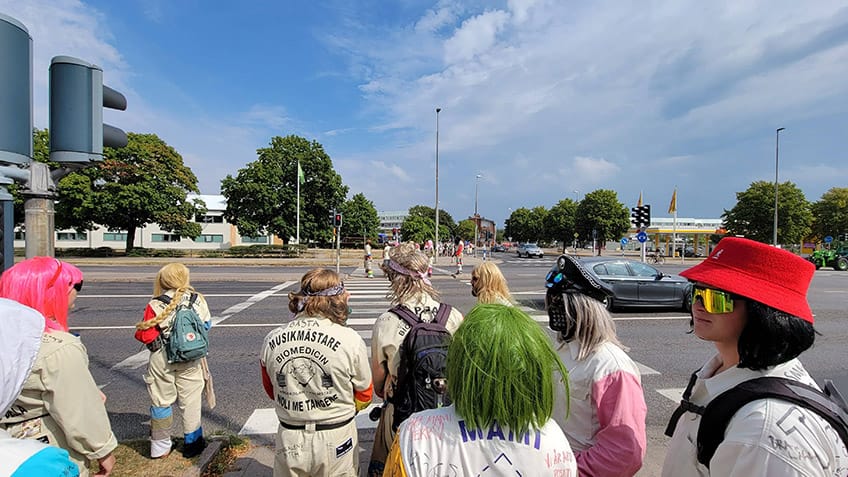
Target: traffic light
point(337, 220)
point(77, 99)
point(15, 92)
point(641, 216)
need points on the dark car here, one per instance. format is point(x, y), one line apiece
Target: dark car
point(638, 284)
point(498, 248)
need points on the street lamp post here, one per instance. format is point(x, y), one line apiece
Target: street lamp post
point(436, 245)
point(576, 195)
point(476, 215)
point(776, 161)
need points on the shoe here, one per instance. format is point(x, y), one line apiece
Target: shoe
point(163, 456)
point(194, 449)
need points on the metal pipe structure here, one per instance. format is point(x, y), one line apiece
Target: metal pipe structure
point(436, 245)
point(476, 215)
point(776, 161)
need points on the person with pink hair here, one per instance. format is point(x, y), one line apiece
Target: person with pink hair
point(74, 418)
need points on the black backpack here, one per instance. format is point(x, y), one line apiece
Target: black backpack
point(422, 379)
point(829, 404)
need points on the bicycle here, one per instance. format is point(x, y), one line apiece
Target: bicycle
point(657, 258)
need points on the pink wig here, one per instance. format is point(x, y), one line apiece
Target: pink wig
point(43, 283)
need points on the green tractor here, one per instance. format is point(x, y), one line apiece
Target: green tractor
point(836, 256)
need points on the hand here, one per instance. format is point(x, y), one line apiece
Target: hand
point(106, 465)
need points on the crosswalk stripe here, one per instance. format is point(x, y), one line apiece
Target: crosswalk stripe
point(675, 394)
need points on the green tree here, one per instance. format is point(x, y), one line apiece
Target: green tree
point(445, 219)
point(360, 217)
point(262, 198)
point(601, 211)
point(142, 183)
point(560, 222)
point(465, 230)
point(527, 225)
point(753, 214)
point(830, 214)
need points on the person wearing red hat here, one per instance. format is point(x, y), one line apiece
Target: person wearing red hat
point(750, 300)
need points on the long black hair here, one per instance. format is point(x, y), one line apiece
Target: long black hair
point(772, 337)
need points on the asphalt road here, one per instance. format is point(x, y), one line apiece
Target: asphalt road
point(248, 301)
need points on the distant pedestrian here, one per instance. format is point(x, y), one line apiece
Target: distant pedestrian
point(500, 379)
point(316, 371)
point(410, 288)
point(603, 414)
point(168, 383)
point(19, 345)
point(386, 249)
point(369, 271)
point(489, 285)
point(750, 300)
point(460, 247)
point(60, 404)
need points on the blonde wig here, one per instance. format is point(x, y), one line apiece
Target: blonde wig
point(172, 277)
point(592, 324)
point(500, 368)
point(407, 270)
point(489, 285)
point(321, 293)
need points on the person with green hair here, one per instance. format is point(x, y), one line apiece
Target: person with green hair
point(501, 380)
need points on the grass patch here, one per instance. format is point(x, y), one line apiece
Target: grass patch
point(233, 447)
point(133, 458)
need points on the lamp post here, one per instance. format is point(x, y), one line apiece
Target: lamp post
point(776, 161)
point(476, 215)
point(436, 245)
point(576, 195)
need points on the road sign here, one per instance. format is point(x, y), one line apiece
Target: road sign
point(828, 239)
point(624, 240)
point(642, 237)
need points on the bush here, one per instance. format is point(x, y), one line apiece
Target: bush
point(85, 252)
point(261, 251)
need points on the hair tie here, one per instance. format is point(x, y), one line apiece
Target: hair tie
point(405, 271)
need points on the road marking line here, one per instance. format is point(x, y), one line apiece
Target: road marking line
point(140, 359)
point(645, 370)
point(675, 394)
point(264, 421)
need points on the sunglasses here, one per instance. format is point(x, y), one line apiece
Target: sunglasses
point(715, 301)
point(78, 286)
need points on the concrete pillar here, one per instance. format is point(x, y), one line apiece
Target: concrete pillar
point(39, 227)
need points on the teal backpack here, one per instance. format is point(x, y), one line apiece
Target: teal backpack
point(189, 338)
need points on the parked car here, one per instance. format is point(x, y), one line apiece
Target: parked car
point(530, 249)
point(498, 248)
point(637, 284)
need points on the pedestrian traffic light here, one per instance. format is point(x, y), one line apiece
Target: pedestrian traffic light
point(15, 92)
point(77, 99)
point(337, 220)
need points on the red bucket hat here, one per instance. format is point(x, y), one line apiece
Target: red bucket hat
point(760, 272)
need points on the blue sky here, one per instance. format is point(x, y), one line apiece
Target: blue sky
point(542, 98)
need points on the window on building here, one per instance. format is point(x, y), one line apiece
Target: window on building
point(209, 238)
point(209, 219)
point(114, 236)
point(165, 237)
point(71, 236)
point(259, 239)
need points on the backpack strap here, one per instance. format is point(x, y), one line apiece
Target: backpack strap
point(192, 299)
point(685, 405)
point(406, 315)
point(722, 408)
point(442, 314)
point(163, 298)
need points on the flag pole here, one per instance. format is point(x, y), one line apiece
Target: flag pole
point(298, 202)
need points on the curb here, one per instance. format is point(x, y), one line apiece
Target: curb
point(213, 446)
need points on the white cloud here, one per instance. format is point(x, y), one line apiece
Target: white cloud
point(476, 35)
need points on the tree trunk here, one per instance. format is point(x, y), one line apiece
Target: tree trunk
point(130, 238)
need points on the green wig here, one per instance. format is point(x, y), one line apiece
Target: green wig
point(501, 368)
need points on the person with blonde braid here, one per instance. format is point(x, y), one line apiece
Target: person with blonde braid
point(169, 382)
point(501, 380)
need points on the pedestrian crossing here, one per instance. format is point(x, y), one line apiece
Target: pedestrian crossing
point(368, 300)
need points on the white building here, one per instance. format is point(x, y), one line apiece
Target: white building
point(216, 234)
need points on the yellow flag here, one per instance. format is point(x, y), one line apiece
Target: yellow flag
point(300, 176)
point(672, 207)
point(639, 204)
